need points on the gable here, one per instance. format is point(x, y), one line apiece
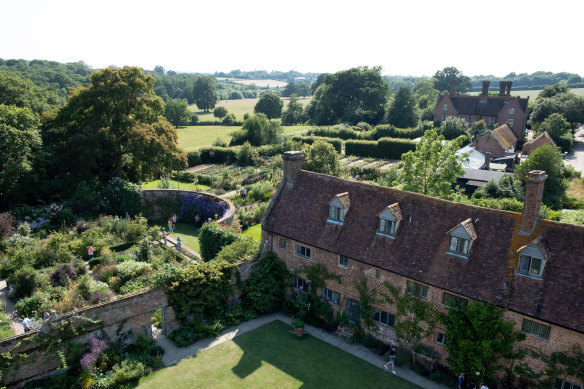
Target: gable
point(504, 136)
point(460, 232)
point(335, 202)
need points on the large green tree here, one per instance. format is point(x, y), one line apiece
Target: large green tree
point(433, 166)
point(445, 76)
point(24, 93)
point(205, 92)
point(321, 157)
point(349, 96)
point(295, 113)
point(559, 129)
point(567, 103)
point(19, 141)
point(403, 110)
point(257, 130)
point(270, 104)
point(114, 127)
point(177, 112)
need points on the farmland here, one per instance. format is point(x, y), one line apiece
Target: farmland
point(237, 107)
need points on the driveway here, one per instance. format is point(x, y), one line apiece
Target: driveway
point(576, 157)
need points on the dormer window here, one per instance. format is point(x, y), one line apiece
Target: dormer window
point(462, 238)
point(389, 220)
point(338, 208)
point(445, 108)
point(532, 259)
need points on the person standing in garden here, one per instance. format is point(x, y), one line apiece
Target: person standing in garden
point(90, 252)
point(178, 244)
point(170, 225)
point(26, 324)
point(459, 381)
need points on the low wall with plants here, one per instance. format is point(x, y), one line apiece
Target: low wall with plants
point(189, 206)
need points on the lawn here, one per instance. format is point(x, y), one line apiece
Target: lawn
point(176, 185)
point(237, 107)
point(271, 357)
point(254, 232)
point(189, 235)
point(532, 94)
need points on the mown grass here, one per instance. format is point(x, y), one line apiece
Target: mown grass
point(271, 357)
point(176, 185)
point(532, 94)
point(189, 234)
point(254, 232)
point(237, 107)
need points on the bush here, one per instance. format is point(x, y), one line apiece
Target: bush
point(264, 290)
point(251, 216)
point(213, 238)
point(132, 269)
point(336, 143)
point(123, 197)
point(184, 337)
point(23, 281)
point(32, 306)
point(375, 345)
point(386, 148)
point(63, 274)
point(228, 120)
point(261, 191)
point(106, 273)
point(122, 373)
point(238, 251)
point(79, 266)
point(246, 155)
point(340, 131)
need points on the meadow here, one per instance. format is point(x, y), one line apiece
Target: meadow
point(532, 94)
point(258, 83)
point(237, 107)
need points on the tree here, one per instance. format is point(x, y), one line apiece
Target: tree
point(445, 76)
point(321, 157)
point(453, 127)
point(114, 127)
point(159, 69)
point(549, 159)
point(552, 90)
point(24, 93)
point(220, 112)
point(177, 112)
point(568, 104)
point(425, 93)
point(270, 105)
point(433, 167)
point(477, 129)
point(295, 112)
point(403, 110)
point(19, 141)
point(293, 88)
point(349, 96)
point(205, 93)
point(559, 130)
point(257, 131)
point(478, 338)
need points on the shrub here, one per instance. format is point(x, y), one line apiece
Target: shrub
point(246, 155)
point(32, 306)
point(251, 216)
point(87, 200)
point(387, 148)
point(238, 251)
point(79, 266)
point(184, 337)
point(122, 373)
point(336, 143)
point(260, 191)
point(131, 269)
point(228, 120)
point(123, 197)
point(297, 323)
point(264, 290)
point(213, 238)
point(106, 273)
point(23, 281)
point(62, 275)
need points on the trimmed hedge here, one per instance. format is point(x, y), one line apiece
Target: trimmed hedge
point(389, 131)
point(219, 123)
point(386, 148)
point(334, 132)
point(219, 155)
point(337, 143)
point(213, 238)
point(122, 246)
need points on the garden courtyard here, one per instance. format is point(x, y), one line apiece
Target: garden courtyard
point(271, 357)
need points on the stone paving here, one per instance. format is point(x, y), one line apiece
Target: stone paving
point(174, 354)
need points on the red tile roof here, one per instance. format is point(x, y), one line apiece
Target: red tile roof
point(420, 248)
point(532, 145)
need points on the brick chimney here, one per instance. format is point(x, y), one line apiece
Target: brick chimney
point(485, 88)
point(502, 86)
point(487, 165)
point(453, 87)
point(292, 163)
point(535, 181)
point(509, 83)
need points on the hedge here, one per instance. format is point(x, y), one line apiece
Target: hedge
point(219, 155)
point(380, 131)
point(219, 123)
point(337, 143)
point(332, 132)
point(213, 238)
point(386, 148)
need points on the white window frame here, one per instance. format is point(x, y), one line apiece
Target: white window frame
point(415, 289)
point(346, 261)
point(469, 119)
point(526, 266)
point(534, 328)
point(303, 251)
point(330, 296)
point(459, 246)
point(389, 318)
point(336, 213)
point(563, 384)
point(443, 118)
point(384, 229)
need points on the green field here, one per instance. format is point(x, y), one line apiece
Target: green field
point(237, 107)
point(192, 137)
point(254, 232)
point(176, 185)
point(258, 83)
point(532, 94)
point(271, 357)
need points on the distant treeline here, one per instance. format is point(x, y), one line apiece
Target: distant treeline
point(288, 76)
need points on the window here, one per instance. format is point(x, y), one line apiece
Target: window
point(563, 384)
point(417, 289)
point(510, 123)
point(383, 317)
point(300, 284)
point(511, 111)
point(530, 266)
point(343, 261)
point(377, 274)
point(459, 245)
point(282, 243)
point(387, 227)
point(440, 338)
point(535, 329)
point(445, 108)
point(469, 119)
point(336, 213)
point(443, 117)
point(331, 296)
point(491, 121)
point(302, 251)
point(453, 301)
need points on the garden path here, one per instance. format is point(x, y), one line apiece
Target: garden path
point(190, 254)
point(10, 311)
point(173, 354)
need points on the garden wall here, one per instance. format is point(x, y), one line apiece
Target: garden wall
point(131, 312)
point(160, 204)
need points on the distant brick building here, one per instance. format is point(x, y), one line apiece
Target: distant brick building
point(435, 249)
point(532, 145)
point(501, 109)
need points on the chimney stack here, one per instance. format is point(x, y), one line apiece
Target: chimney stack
point(292, 163)
point(453, 87)
point(509, 83)
point(502, 86)
point(485, 88)
point(535, 181)
point(487, 165)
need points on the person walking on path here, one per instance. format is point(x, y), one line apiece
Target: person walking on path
point(170, 225)
point(459, 381)
point(391, 362)
point(178, 244)
point(164, 236)
point(26, 324)
point(90, 252)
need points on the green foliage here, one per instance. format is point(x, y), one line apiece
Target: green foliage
point(477, 338)
point(569, 105)
point(32, 306)
point(477, 129)
point(217, 155)
point(270, 105)
point(366, 300)
point(432, 168)
point(241, 250)
point(559, 130)
point(385, 148)
point(220, 112)
point(121, 197)
point(184, 337)
point(229, 120)
point(177, 112)
point(213, 238)
point(131, 269)
point(403, 109)
point(506, 187)
point(252, 216)
point(453, 127)
point(205, 92)
point(295, 113)
point(246, 155)
point(122, 373)
point(443, 77)
point(336, 143)
point(258, 131)
point(321, 157)
point(297, 323)
point(23, 281)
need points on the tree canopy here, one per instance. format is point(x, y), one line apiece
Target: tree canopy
point(295, 113)
point(559, 130)
point(257, 130)
point(433, 166)
point(24, 93)
point(321, 157)
point(566, 103)
point(177, 112)
point(270, 105)
point(220, 112)
point(403, 111)
point(205, 92)
point(445, 76)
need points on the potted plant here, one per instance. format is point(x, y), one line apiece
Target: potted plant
point(298, 326)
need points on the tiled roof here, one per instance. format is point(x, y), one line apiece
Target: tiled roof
point(482, 175)
point(419, 250)
point(344, 199)
point(478, 105)
point(394, 208)
point(504, 136)
point(545, 138)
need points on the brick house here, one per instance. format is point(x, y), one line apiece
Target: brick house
point(499, 142)
point(438, 250)
point(532, 145)
point(502, 109)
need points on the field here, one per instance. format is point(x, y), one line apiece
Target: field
point(258, 83)
point(532, 94)
point(271, 357)
point(192, 137)
point(236, 107)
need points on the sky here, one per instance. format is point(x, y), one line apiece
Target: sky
point(411, 37)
